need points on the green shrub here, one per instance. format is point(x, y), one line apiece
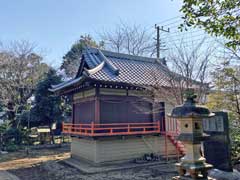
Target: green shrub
point(235, 137)
point(3, 128)
point(11, 147)
point(13, 135)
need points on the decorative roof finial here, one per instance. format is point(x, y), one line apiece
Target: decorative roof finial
point(190, 97)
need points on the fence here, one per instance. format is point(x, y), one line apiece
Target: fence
point(94, 129)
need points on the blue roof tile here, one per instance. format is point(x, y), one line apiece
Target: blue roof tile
point(122, 68)
point(132, 69)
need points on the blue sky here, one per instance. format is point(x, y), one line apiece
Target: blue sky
point(54, 25)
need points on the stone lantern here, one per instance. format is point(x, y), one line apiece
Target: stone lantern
point(190, 116)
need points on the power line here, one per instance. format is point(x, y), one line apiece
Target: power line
point(185, 38)
point(180, 36)
point(177, 34)
point(192, 41)
point(182, 32)
point(177, 37)
point(161, 22)
point(172, 21)
point(188, 44)
point(177, 27)
point(174, 27)
point(175, 22)
point(189, 40)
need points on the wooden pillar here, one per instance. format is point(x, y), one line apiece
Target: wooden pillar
point(154, 112)
point(158, 113)
point(73, 110)
point(163, 109)
point(72, 114)
point(97, 107)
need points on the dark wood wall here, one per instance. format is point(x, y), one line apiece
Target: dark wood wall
point(84, 112)
point(120, 109)
point(109, 108)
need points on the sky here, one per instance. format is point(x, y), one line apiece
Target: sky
point(54, 25)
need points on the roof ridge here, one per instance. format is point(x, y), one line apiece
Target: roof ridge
point(92, 53)
point(112, 67)
point(124, 55)
point(116, 55)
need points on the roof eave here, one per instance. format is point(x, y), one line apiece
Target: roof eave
point(66, 85)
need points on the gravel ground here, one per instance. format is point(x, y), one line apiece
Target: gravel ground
point(20, 160)
point(55, 171)
point(46, 164)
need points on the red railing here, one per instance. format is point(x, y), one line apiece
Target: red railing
point(169, 128)
point(112, 129)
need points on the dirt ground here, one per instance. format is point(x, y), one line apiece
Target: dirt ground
point(20, 160)
point(46, 164)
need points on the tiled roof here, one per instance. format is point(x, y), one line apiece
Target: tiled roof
point(124, 68)
point(109, 66)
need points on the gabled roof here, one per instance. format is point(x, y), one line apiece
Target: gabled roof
point(101, 65)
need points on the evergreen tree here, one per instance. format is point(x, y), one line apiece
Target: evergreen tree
point(71, 59)
point(48, 106)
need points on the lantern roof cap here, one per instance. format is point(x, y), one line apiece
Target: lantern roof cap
point(190, 109)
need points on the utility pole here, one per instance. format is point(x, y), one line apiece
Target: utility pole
point(158, 45)
point(158, 40)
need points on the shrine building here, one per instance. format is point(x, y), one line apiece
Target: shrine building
point(115, 117)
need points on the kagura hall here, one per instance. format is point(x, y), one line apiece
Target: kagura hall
point(114, 118)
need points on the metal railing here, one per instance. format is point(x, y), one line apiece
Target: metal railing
point(171, 133)
point(111, 129)
point(172, 126)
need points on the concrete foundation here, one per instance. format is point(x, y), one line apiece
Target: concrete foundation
point(113, 149)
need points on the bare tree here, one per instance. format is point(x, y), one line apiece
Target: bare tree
point(20, 69)
point(188, 68)
point(229, 54)
point(226, 83)
point(134, 40)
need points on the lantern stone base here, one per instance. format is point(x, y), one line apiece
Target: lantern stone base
point(195, 170)
point(190, 178)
